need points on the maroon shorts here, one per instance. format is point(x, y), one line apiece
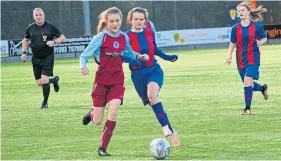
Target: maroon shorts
point(102, 94)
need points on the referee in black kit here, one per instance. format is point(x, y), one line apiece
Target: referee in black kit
point(43, 36)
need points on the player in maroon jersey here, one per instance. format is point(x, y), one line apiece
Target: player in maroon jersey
point(108, 47)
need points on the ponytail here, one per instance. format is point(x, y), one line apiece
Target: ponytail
point(102, 21)
point(256, 15)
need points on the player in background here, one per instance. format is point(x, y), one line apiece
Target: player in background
point(248, 36)
point(147, 76)
point(148, 24)
point(108, 47)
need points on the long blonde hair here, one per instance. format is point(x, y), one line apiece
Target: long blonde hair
point(103, 17)
point(255, 14)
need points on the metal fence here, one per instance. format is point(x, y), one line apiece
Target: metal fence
point(166, 15)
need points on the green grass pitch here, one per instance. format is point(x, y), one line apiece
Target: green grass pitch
point(202, 95)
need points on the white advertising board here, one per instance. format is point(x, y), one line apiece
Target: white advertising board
point(193, 36)
point(4, 47)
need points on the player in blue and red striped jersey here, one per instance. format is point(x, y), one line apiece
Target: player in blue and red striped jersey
point(248, 35)
point(108, 47)
point(147, 76)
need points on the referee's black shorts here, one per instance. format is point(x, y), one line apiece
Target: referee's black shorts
point(43, 66)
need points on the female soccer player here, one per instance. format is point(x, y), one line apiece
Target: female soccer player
point(147, 76)
point(248, 35)
point(108, 47)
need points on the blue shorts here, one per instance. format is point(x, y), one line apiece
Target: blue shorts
point(250, 71)
point(141, 78)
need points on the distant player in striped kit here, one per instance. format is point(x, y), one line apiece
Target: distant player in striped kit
point(108, 47)
point(148, 76)
point(248, 35)
point(148, 24)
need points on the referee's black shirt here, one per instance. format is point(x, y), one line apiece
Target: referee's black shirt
point(39, 35)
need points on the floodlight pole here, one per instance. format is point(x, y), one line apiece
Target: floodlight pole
point(175, 15)
point(87, 21)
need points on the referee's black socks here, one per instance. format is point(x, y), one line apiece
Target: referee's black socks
point(46, 91)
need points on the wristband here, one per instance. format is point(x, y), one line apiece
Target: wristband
point(175, 59)
point(23, 52)
point(138, 56)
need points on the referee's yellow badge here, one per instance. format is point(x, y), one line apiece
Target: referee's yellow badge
point(44, 37)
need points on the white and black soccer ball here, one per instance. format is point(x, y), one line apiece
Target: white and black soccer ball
point(159, 148)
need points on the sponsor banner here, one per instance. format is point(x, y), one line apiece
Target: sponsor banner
point(170, 38)
point(70, 45)
point(209, 35)
point(4, 48)
point(15, 48)
point(73, 45)
point(273, 31)
point(193, 36)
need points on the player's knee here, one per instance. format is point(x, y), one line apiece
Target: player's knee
point(152, 98)
point(113, 114)
point(97, 121)
point(248, 81)
point(44, 80)
point(247, 84)
point(38, 82)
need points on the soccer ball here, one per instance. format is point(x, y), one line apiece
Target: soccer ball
point(159, 148)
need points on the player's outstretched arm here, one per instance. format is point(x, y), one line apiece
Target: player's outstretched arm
point(93, 49)
point(164, 56)
point(161, 54)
